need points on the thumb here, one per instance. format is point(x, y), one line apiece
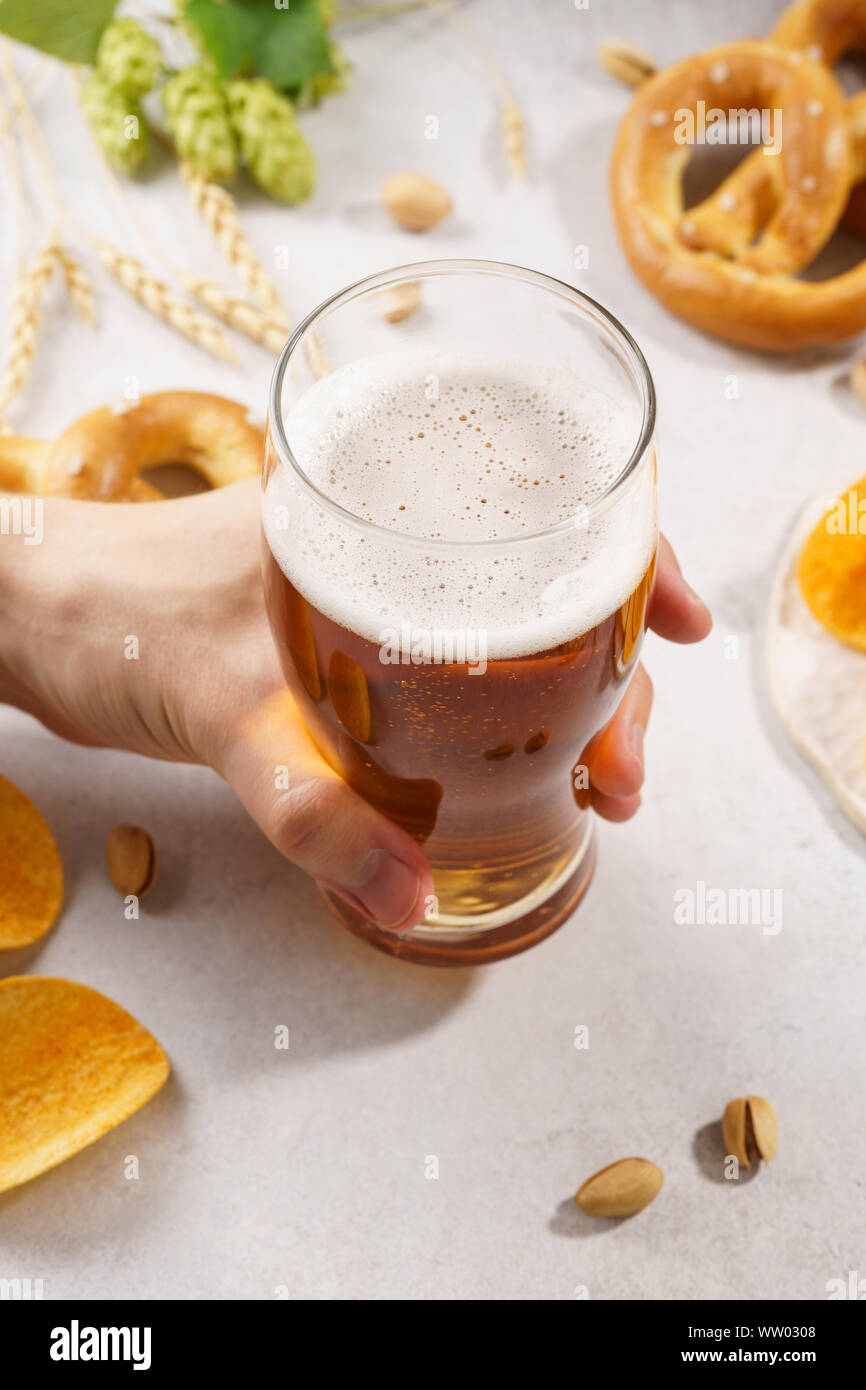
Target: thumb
point(315, 818)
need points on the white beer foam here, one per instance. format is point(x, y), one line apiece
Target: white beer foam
point(446, 447)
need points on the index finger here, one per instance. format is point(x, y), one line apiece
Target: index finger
point(675, 610)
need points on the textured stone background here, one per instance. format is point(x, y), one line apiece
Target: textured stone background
point(306, 1169)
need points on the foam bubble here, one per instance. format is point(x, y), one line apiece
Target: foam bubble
point(436, 446)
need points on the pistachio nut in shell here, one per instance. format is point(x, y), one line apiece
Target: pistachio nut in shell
point(621, 1189)
point(749, 1130)
point(626, 62)
point(402, 301)
point(130, 857)
point(415, 202)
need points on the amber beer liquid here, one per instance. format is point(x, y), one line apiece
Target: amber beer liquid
point(484, 769)
point(456, 617)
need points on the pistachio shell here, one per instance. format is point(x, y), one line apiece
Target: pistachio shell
point(402, 300)
point(734, 1130)
point(764, 1126)
point(749, 1130)
point(415, 202)
point(130, 856)
point(626, 62)
point(621, 1189)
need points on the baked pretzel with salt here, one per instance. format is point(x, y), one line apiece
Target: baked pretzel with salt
point(729, 264)
point(102, 455)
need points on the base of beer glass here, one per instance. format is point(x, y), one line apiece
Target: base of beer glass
point(481, 944)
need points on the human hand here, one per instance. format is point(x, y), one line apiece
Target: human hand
point(614, 755)
point(179, 584)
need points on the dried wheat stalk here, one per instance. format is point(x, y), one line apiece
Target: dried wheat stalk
point(512, 116)
point(512, 134)
point(163, 302)
point(25, 316)
point(247, 319)
point(220, 212)
point(237, 313)
point(320, 363)
point(78, 284)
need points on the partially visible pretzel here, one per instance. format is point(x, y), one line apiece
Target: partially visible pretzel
point(822, 29)
point(705, 264)
point(102, 455)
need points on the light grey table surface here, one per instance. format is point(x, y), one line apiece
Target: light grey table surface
point(263, 1170)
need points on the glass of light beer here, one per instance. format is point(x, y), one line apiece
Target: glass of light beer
point(459, 506)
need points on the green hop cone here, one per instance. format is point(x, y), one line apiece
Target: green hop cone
point(128, 58)
point(327, 12)
point(197, 115)
point(325, 84)
point(117, 122)
point(271, 143)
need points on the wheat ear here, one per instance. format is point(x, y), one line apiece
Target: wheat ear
point(129, 273)
point(320, 363)
point(161, 301)
point(78, 284)
point(237, 313)
point(220, 212)
point(512, 116)
point(512, 135)
point(25, 317)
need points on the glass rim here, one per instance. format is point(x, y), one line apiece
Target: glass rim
point(428, 269)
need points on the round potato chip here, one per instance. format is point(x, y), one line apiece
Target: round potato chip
point(31, 874)
point(832, 568)
point(73, 1064)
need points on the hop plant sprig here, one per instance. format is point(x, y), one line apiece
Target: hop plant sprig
point(197, 115)
point(128, 58)
point(270, 140)
point(327, 12)
point(325, 84)
point(117, 122)
point(215, 120)
point(127, 62)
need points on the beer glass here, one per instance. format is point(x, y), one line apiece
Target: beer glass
point(459, 507)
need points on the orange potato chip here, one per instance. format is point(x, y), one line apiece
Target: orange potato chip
point(73, 1064)
point(31, 874)
point(832, 568)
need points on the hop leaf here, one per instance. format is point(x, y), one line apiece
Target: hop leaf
point(246, 38)
point(128, 57)
point(70, 32)
point(117, 123)
point(271, 143)
point(325, 84)
point(197, 115)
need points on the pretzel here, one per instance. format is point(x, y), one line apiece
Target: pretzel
point(705, 264)
point(822, 29)
point(101, 456)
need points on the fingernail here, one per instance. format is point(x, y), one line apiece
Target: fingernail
point(387, 888)
point(635, 743)
point(348, 898)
